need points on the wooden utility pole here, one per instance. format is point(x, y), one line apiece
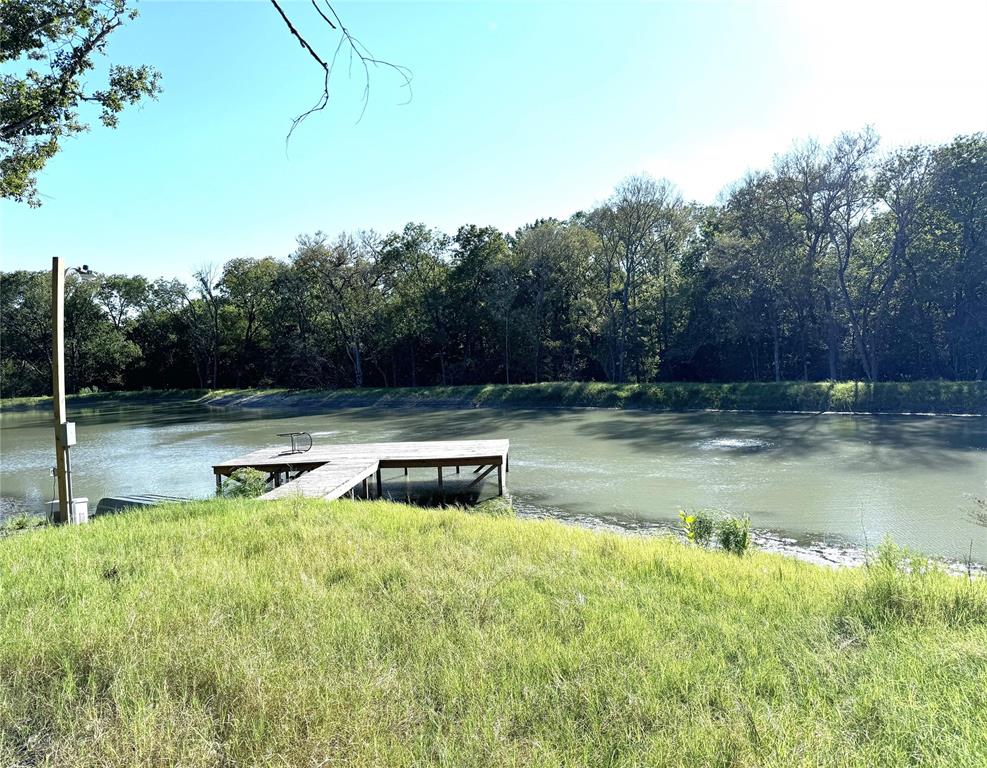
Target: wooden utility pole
point(58, 385)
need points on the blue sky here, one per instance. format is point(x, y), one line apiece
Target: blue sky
point(520, 110)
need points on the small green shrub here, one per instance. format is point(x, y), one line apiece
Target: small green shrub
point(247, 484)
point(734, 534)
point(699, 526)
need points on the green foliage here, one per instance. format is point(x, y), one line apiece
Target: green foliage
point(734, 534)
point(245, 484)
point(903, 587)
point(98, 350)
point(364, 633)
point(25, 333)
point(731, 533)
point(924, 397)
point(39, 108)
point(698, 525)
point(141, 397)
point(838, 279)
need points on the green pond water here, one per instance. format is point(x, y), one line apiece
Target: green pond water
point(826, 483)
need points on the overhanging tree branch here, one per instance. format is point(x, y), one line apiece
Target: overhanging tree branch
point(78, 62)
point(358, 53)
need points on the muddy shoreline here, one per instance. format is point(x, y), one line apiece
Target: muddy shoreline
point(828, 553)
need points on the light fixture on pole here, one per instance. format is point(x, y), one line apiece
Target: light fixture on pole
point(64, 430)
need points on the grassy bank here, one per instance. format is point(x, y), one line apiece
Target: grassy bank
point(355, 633)
point(105, 398)
point(846, 397)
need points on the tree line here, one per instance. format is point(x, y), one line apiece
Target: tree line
point(836, 262)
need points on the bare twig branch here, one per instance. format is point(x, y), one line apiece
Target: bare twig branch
point(358, 53)
point(302, 41)
point(319, 11)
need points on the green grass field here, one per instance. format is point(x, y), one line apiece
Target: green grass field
point(234, 633)
point(959, 397)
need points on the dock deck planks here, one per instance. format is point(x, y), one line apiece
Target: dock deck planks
point(330, 481)
point(329, 471)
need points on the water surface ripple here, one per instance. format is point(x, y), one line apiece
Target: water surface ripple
point(831, 478)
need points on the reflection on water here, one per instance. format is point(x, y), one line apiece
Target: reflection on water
point(733, 444)
point(835, 478)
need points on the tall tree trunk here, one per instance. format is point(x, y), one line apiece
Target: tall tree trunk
point(215, 345)
point(538, 359)
point(215, 367)
point(357, 366)
point(622, 338)
point(507, 348)
point(663, 361)
point(832, 336)
point(243, 349)
point(861, 347)
point(804, 343)
point(775, 334)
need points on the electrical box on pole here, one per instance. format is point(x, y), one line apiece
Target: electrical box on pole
point(68, 433)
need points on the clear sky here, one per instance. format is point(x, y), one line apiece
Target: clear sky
point(520, 110)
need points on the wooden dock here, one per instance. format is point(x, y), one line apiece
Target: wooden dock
point(331, 471)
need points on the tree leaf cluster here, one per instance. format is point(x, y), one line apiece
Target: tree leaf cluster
point(50, 50)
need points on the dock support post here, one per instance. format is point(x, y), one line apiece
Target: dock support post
point(500, 479)
point(441, 488)
point(405, 471)
point(366, 488)
point(219, 484)
point(380, 486)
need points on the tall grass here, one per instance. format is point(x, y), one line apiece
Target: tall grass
point(959, 397)
point(301, 633)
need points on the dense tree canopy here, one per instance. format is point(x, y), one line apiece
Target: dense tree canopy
point(837, 262)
